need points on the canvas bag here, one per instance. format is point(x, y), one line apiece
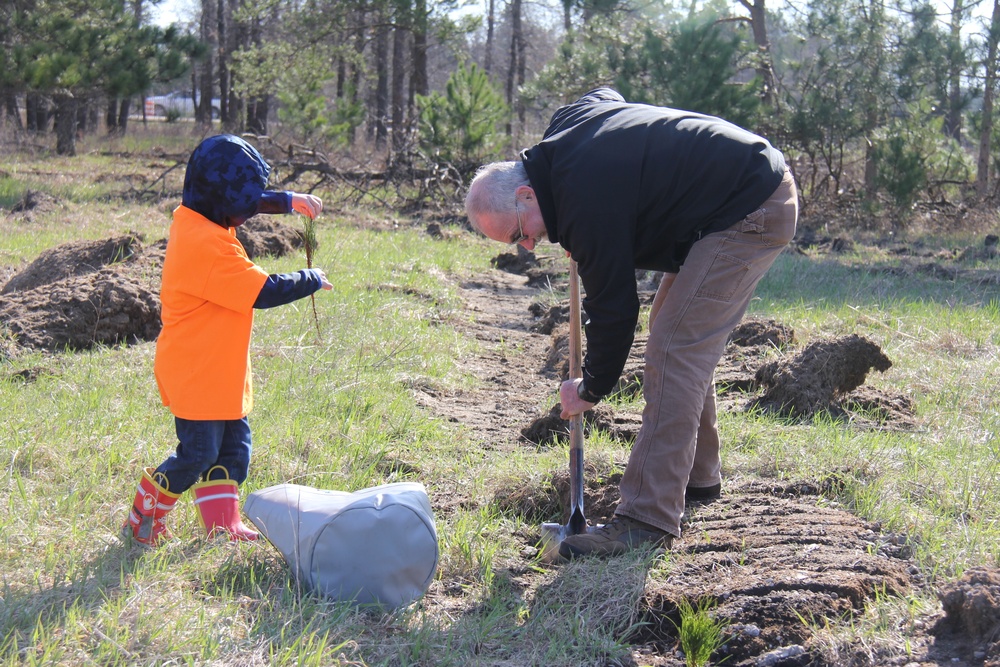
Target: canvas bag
point(373, 546)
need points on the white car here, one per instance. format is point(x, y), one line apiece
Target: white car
point(177, 103)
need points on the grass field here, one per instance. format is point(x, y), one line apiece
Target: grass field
point(334, 410)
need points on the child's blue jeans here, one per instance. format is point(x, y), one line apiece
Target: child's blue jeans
point(201, 446)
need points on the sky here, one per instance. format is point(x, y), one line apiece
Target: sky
point(170, 11)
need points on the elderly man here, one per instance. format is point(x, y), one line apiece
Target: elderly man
point(627, 186)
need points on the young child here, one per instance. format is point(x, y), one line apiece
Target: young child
point(209, 290)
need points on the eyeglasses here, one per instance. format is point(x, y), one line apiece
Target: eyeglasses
point(521, 236)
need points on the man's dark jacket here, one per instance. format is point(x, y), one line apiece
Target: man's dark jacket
point(631, 186)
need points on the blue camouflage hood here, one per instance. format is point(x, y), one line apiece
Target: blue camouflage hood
point(224, 180)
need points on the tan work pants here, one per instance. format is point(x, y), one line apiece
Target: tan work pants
point(695, 310)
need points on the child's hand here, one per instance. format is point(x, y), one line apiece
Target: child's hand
point(309, 205)
point(322, 276)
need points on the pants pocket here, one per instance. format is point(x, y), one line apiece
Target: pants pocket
point(724, 278)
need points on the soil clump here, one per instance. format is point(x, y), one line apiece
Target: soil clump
point(972, 614)
point(816, 378)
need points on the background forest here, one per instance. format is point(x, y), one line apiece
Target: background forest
point(884, 107)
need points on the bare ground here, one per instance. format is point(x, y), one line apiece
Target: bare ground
point(775, 560)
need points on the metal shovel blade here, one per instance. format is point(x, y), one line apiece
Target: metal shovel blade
point(553, 533)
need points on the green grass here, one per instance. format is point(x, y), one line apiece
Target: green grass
point(334, 409)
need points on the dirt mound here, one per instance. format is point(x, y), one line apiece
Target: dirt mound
point(538, 270)
point(990, 249)
point(74, 259)
point(101, 308)
point(754, 332)
point(972, 614)
point(264, 236)
point(551, 428)
point(517, 261)
point(548, 318)
point(827, 376)
point(557, 356)
point(33, 202)
point(807, 239)
point(873, 408)
point(816, 379)
point(82, 294)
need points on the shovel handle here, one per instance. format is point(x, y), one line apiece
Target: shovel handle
point(575, 333)
point(577, 520)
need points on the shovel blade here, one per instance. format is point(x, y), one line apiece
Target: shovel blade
point(552, 536)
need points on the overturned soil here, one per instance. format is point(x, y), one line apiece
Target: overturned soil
point(775, 561)
point(82, 294)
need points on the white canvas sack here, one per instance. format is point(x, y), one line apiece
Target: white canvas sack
point(373, 546)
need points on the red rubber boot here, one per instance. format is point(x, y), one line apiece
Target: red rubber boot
point(218, 504)
point(146, 522)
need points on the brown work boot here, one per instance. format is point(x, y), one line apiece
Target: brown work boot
point(695, 495)
point(614, 538)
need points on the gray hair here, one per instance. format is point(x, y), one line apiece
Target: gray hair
point(492, 190)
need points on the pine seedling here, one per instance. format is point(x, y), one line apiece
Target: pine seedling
point(700, 635)
point(309, 239)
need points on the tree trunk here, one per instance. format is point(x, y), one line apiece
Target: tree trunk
point(490, 28)
point(381, 106)
point(516, 55)
point(237, 34)
point(985, 132)
point(399, 97)
point(116, 116)
point(111, 116)
point(522, 65)
point(764, 66)
point(87, 115)
point(123, 110)
point(223, 63)
point(259, 105)
point(37, 111)
point(10, 109)
point(203, 113)
point(953, 121)
point(870, 96)
point(258, 109)
point(359, 49)
point(418, 78)
point(66, 108)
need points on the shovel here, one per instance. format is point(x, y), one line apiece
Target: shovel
point(553, 533)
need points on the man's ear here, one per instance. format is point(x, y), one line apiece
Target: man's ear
point(524, 192)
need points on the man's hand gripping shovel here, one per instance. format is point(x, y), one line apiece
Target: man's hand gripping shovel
point(553, 533)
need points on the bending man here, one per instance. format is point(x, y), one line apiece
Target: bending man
point(630, 186)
